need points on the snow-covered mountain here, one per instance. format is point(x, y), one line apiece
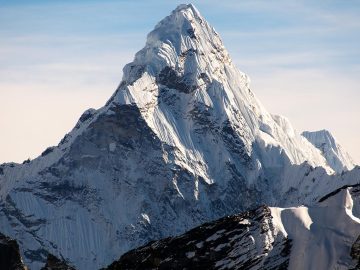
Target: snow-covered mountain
point(182, 141)
point(335, 155)
point(323, 236)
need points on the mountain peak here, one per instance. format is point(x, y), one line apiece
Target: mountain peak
point(185, 55)
point(335, 155)
point(324, 133)
point(187, 8)
point(184, 44)
point(184, 13)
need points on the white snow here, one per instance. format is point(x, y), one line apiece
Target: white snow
point(112, 146)
point(200, 244)
point(322, 234)
point(146, 217)
point(190, 254)
point(337, 158)
point(244, 222)
point(164, 47)
point(221, 246)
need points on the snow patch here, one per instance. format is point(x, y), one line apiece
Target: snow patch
point(112, 147)
point(145, 217)
point(190, 254)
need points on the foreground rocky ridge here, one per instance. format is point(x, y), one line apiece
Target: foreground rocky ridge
point(324, 236)
point(181, 142)
point(246, 241)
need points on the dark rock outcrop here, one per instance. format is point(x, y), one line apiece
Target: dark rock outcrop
point(53, 263)
point(355, 253)
point(233, 242)
point(10, 258)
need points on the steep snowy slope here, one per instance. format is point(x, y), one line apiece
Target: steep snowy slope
point(324, 236)
point(181, 142)
point(335, 155)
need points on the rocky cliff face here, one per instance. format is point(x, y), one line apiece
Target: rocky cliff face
point(181, 142)
point(10, 258)
point(249, 240)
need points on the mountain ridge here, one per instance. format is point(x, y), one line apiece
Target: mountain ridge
point(335, 155)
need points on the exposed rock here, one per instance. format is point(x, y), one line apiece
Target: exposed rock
point(48, 151)
point(54, 263)
point(355, 253)
point(245, 241)
point(10, 258)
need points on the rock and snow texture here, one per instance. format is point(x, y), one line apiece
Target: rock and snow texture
point(337, 158)
point(10, 258)
point(249, 240)
point(324, 236)
point(181, 142)
point(53, 263)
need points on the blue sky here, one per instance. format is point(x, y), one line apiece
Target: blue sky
point(58, 58)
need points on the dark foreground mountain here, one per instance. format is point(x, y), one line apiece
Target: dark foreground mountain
point(10, 258)
point(182, 141)
point(245, 241)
